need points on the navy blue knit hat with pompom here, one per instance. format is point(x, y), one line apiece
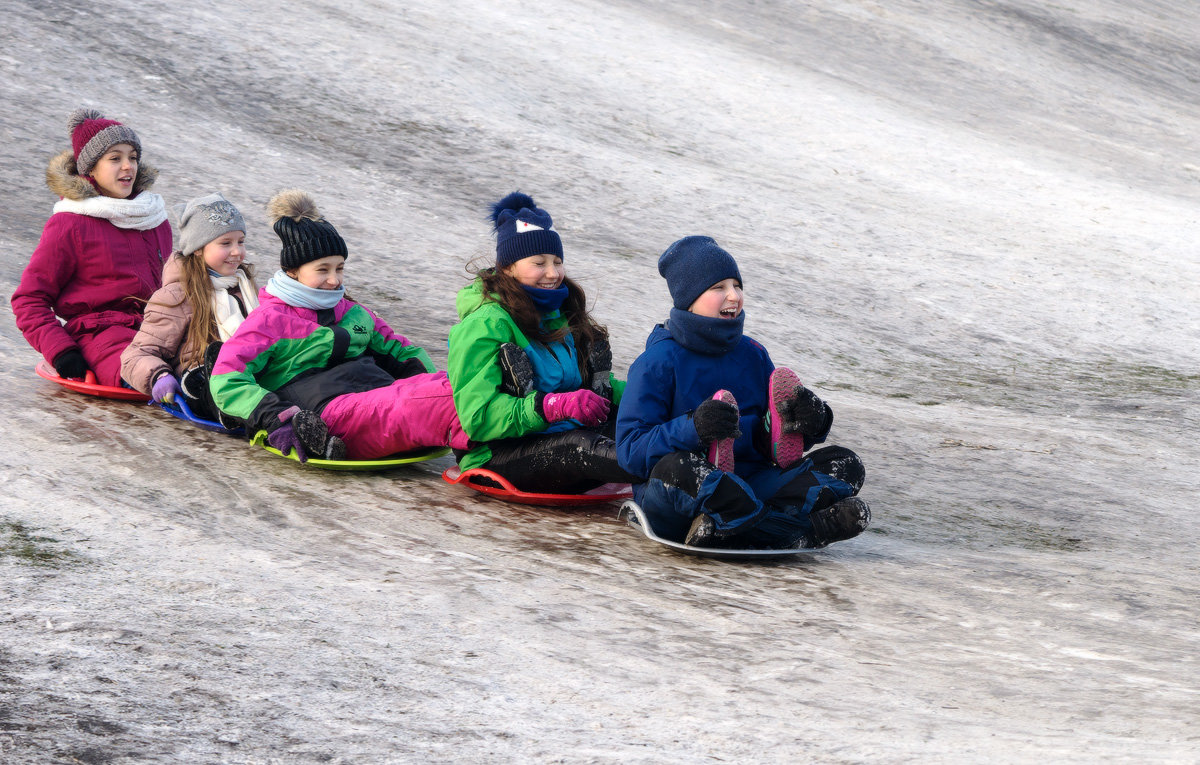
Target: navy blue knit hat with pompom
point(522, 229)
point(693, 264)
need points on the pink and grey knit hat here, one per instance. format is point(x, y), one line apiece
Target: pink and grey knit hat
point(92, 134)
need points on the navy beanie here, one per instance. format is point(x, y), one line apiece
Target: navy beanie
point(523, 229)
point(692, 265)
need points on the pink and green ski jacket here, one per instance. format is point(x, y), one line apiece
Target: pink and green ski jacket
point(283, 355)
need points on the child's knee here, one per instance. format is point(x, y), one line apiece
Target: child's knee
point(684, 470)
point(841, 463)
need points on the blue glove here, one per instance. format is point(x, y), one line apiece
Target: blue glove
point(166, 388)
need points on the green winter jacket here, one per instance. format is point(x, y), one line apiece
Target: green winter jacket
point(486, 412)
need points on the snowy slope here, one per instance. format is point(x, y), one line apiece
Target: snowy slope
point(970, 226)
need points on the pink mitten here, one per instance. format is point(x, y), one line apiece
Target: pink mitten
point(582, 405)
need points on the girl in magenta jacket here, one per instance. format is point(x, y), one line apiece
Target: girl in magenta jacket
point(101, 254)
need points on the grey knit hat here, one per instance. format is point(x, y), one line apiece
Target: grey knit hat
point(205, 218)
point(92, 134)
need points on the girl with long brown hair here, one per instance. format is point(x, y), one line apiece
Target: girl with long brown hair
point(529, 366)
point(208, 290)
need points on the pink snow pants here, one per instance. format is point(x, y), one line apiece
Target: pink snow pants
point(414, 413)
point(102, 352)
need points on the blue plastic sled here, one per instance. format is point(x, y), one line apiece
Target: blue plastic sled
point(633, 514)
point(184, 412)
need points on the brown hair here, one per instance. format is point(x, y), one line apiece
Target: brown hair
point(499, 287)
point(198, 292)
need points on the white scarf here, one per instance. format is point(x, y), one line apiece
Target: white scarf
point(225, 306)
point(143, 212)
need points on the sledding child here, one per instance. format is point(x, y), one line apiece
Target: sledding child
point(530, 367)
point(207, 292)
point(720, 433)
point(101, 252)
point(320, 373)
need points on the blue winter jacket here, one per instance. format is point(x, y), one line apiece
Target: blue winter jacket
point(666, 384)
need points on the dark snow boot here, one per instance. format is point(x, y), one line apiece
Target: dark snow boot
point(194, 384)
point(516, 371)
point(314, 434)
point(702, 531)
point(728, 502)
point(845, 519)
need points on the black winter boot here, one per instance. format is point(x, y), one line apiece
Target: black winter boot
point(845, 519)
point(314, 434)
point(701, 532)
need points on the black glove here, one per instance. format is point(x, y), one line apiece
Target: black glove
point(715, 420)
point(70, 363)
point(516, 371)
point(410, 367)
point(599, 366)
point(805, 413)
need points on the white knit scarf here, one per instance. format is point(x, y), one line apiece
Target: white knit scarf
point(225, 306)
point(143, 212)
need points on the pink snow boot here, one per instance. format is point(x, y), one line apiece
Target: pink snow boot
point(720, 451)
point(787, 448)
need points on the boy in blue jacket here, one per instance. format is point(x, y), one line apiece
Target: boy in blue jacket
point(721, 434)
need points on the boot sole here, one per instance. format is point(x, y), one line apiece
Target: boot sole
point(787, 449)
point(720, 452)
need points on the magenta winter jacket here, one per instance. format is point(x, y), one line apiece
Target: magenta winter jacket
point(87, 271)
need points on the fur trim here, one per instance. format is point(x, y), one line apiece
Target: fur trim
point(514, 202)
point(79, 116)
point(63, 178)
point(294, 204)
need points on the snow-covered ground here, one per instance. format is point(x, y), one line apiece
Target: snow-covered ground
point(970, 225)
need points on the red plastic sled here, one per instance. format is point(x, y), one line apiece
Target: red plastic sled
point(609, 492)
point(89, 386)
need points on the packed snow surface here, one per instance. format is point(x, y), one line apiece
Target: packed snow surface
point(970, 226)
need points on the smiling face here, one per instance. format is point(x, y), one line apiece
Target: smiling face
point(723, 300)
point(323, 274)
point(543, 271)
point(225, 253)
point(115, 171)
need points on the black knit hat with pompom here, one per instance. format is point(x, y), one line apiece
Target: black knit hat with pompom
point(305, 233)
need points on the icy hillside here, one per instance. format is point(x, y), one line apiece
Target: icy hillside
point(970, 225)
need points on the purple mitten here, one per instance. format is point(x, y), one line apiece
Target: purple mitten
point(582, 405)
point(166, 388)
point(284, 437)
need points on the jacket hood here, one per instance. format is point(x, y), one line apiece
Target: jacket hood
point(657, 335)
point(172, 269)
point(469, 299)
point(65, 181)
